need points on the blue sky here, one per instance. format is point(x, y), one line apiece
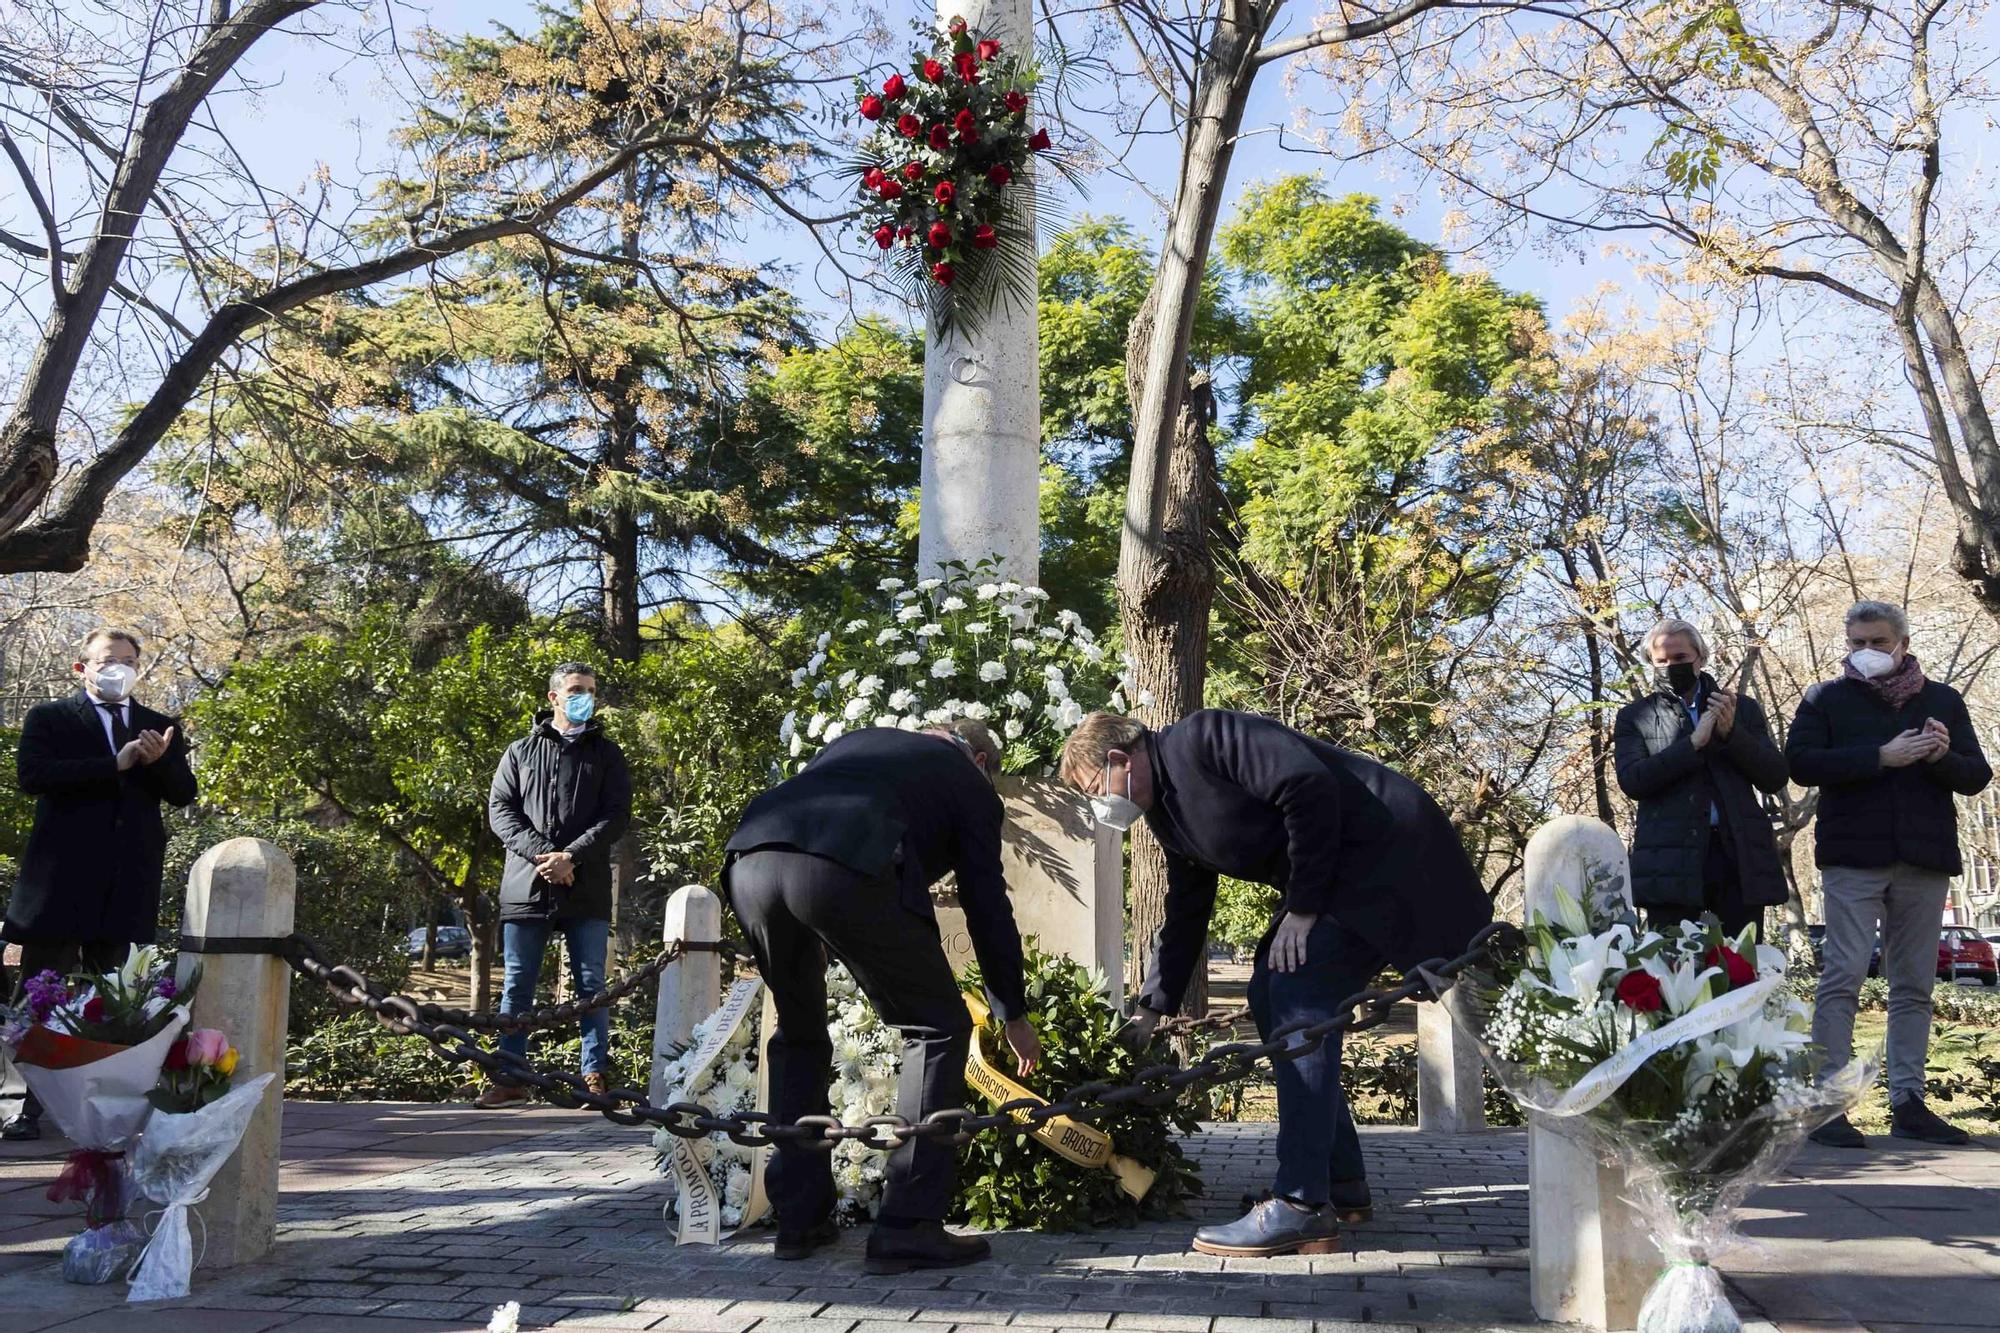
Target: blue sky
point(322, 105)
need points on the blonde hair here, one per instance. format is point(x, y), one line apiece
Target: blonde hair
point(1083, 754)
point(1671, 626)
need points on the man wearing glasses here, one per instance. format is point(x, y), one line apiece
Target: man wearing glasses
point(1369, 871)
point(99, 765)
point(840, 860)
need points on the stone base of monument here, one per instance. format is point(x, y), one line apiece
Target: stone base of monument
point(1065, 877)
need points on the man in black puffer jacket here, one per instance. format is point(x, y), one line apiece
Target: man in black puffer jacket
point(1888, 750)
point(1694, 756)
point(561, 797)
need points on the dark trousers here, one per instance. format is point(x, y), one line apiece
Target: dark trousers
point(66, 958)
point(796, 909)
point(1317, 1144)
point(1721, 893)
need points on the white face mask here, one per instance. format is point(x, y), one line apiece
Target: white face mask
point(1112, 810)
point(114, 682)
point(1872, 662)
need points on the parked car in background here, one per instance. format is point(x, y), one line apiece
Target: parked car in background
point(1963, 953)
point(452, 942)
point(1817, 934)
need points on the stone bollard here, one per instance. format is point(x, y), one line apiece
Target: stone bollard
point(1451, 1092)
point(244, 889)
point(691, 987)
point(1590, 1259)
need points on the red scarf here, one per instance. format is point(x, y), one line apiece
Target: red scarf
point(1898, 687)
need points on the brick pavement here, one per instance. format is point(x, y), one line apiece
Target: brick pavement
point(403, 1219)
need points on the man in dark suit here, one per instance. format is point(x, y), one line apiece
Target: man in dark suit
point(1371, 872)
point(99, 765)
point(840, 860)
point(1694, 756)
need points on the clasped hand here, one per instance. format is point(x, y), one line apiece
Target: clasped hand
point(556, 867)
point(1926, 744)
point(1717, 720)
point(144, 748)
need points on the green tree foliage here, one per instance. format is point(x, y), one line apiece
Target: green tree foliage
point(356, 898)
point(355, 730)
point(585, 407)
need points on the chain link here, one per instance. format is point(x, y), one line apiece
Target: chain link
point(348, 986)
point(1154, 1085)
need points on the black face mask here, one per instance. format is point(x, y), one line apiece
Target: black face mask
point(1678, 678)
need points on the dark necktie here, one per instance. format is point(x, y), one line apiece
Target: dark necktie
point(121, 735)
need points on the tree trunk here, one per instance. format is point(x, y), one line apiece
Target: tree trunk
point(1166, 579)
point(1166, 633)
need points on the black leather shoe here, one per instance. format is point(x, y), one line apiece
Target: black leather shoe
point(1911, 1119)
point(925, 1245)
point(801, 1244)
point(1273, 1227)
point(20, 1129)
point(1838, 1132)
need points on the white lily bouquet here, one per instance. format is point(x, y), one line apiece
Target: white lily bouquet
point(1682, 1057)
point(720, 1070)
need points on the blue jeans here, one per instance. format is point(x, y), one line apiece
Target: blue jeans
point(521, 945)
point(1317, 1144)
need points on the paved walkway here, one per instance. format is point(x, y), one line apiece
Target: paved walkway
point(398, 1219)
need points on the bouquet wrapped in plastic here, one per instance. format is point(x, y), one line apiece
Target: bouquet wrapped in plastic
point(179, 1155)
point(1682, 1058)
point(91, 1052)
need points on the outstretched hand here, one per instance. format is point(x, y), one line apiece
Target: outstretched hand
point(1138, 1029)
point(1027, 1047)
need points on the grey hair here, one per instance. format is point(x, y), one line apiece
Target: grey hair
point(1671, 626)
point(978, 738)
point(570, 669)
point(1887, 612)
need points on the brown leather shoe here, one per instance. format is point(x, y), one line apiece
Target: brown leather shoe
point(596, 1083)
point(500, 1095)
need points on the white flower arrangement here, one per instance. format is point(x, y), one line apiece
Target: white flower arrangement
point(1680, 1053)
point(1032, 686)
point(867, 1060)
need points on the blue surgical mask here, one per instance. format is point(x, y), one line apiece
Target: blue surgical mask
point(579, 707)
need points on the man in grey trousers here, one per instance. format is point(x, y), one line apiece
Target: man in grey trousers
point(1889, 750)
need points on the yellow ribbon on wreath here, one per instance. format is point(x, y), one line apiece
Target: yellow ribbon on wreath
point(1086, 1145)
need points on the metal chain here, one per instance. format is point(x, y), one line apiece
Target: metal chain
point(1154, 1085)
point(547, 1016)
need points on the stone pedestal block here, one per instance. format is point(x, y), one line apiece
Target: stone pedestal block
point(1065, 877)
point(244, 888)
point(1450, 1091)
point(691, 986)
point(1589, 1257)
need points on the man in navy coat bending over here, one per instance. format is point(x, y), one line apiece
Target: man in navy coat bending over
point(1371, 872)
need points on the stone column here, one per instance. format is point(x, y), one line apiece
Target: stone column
point(691, 987)
point(1590, 1260)
point(1451, 1092)
point(982, 397)
point(244, 888)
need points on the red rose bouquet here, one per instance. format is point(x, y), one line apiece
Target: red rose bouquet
point(945, 191)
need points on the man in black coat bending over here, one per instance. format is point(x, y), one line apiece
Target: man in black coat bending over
point(840, 860)
point(1371, 872)
point(98, 765)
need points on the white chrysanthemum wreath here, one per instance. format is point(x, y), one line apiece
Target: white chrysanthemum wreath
point(963, 646)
